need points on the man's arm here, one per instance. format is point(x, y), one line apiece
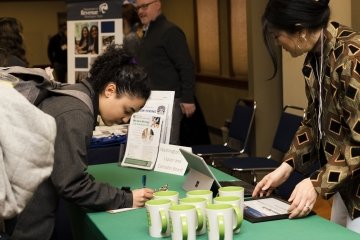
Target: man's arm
point(179, 54)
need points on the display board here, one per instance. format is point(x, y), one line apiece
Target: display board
point(91, 27)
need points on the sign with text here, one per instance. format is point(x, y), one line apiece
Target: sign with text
point(170, 160)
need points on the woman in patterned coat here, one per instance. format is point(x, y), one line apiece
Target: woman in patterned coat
point(326, 147)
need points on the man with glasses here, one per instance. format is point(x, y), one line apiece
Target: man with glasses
point(165, 55)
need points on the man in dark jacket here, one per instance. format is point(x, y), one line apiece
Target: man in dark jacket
point(165, 55)
point(118, 88)
point(57, 53)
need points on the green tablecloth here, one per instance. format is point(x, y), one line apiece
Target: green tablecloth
point(133, 224)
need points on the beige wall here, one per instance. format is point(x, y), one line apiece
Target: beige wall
point(355, 19)
point(293, 81)
point(181, 12)
point(39, 19)
point(217, 102)
point(267, 93)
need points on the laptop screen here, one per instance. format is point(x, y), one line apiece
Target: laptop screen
point(198, 163)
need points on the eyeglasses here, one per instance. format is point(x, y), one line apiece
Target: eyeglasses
point(144, 6)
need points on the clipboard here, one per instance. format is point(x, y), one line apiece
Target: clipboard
point(266, 209)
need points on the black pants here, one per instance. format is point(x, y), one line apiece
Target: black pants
point(194, 130)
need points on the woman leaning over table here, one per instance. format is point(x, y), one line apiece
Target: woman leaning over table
point(329, 136)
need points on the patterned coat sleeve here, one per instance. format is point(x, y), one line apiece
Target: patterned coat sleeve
point(341, 126)
point(342, 141)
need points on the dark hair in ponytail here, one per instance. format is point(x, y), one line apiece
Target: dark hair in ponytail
point(292, 16)
point(117, 66)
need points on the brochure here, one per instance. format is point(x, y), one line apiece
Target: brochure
point(161, 102)
point(147, 129)
point(143, 140)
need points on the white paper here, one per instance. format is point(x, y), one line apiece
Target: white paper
point(106, 131)
point(147, 129)
point(143, 140)
point(120, 210)
point(266, 207)
point(170, 160)
point(161, 102)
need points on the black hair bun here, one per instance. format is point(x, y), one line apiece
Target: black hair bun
point(324, 2)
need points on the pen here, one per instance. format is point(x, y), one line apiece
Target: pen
point(143, 180)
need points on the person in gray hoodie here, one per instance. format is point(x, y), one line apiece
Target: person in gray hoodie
point(27, 137)
point(118, 88)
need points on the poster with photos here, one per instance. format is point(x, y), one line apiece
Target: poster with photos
point(91, 27)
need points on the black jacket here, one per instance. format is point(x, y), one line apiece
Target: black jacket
point(57, 50)
point(165, 56)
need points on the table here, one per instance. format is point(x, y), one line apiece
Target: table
point(133, 224)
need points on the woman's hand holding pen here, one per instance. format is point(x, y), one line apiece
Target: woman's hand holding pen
point(140, 196)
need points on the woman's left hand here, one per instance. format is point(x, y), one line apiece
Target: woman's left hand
point(302, 199)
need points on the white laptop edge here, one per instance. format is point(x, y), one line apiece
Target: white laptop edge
point(200, 176)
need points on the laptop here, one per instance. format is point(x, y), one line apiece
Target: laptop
point(200, 176)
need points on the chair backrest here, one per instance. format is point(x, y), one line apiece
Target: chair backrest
point(288, 125)
point(242, 122)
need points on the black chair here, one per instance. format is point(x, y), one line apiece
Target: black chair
point(288, 124)
point(238, 135)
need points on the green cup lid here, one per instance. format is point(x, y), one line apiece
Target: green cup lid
point(181, 207)
point(153, 202)
point(231, 188)
point(192, 200)
point(227, 198)
point(166, 193)
point(199, 192)
point(218, 206)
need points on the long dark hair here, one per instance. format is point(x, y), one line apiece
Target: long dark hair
point(11, 40)
point(84, 38)
point(117, 65)
point(292, 16)
point(94, 41)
